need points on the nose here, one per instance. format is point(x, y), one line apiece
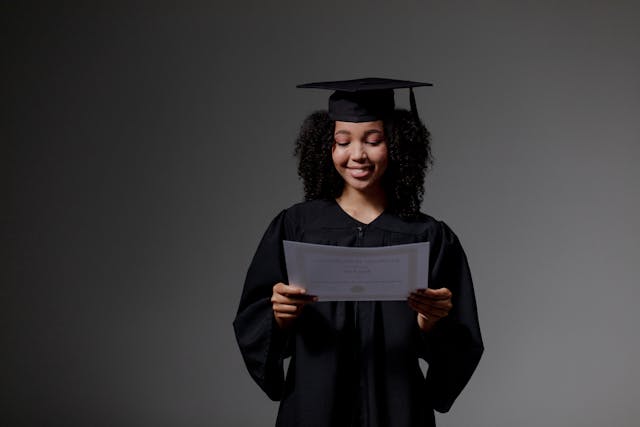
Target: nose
point(358, 153)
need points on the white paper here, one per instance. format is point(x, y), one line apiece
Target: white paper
point(337, 273)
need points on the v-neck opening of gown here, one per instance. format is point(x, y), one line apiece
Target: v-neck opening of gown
point(358, 222)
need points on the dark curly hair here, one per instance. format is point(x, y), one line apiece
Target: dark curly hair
point(409, 151)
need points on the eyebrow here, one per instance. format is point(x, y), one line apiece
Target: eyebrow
point(371, 132)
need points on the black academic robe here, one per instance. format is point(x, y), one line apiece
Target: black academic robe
point(356, 363)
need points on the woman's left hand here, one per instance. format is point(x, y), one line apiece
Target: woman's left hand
point(431, 305)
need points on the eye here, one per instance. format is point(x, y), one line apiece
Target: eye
point(342, 140)
point(373, 138)
point(375, 141)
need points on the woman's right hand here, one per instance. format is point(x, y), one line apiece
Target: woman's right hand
point(287, 302)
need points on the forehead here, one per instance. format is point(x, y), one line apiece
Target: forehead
point(359, 127)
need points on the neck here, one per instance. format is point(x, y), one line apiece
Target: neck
point(365, 207)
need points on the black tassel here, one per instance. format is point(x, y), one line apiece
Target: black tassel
point(412, 101)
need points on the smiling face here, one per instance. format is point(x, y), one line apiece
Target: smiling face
point(359, 154)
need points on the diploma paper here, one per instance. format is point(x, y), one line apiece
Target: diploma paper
point(337, 273)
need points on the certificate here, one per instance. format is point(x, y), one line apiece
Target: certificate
point(337, 273)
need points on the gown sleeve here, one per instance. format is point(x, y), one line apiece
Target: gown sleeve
point(454, 346)
point(262, 343)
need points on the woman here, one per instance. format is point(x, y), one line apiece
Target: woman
point(356, 363)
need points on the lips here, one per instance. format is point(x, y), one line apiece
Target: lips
point(360, 172)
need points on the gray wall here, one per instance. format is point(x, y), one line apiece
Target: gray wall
point(146, 147)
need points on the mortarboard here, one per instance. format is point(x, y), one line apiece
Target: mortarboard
point(364, 100)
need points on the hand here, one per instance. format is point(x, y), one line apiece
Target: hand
point(287, 303)
point(431, 305)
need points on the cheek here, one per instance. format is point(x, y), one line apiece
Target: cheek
point(383, 166)
point(337, 155)
point(382, 157)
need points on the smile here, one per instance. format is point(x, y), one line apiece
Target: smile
point(360, 172)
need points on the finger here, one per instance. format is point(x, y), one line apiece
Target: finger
point(284, 289)
point(427, 299)
point(431, 314)
point(286, 315)
point(434, 291)
point(285, 308)
point(419, 306)
point(440, 293)
point(426, 318)
point(434, 304)
point(428, 309)
point(300, 299)
point(279, 288)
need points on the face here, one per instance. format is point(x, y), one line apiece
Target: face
point(360, 154)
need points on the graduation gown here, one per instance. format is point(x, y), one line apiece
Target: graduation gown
point(356, 363)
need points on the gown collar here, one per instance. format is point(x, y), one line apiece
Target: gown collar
point(385, 221)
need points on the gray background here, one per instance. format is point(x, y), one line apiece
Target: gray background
point(146, 146)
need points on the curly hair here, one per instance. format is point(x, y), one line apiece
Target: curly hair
point(409, 150)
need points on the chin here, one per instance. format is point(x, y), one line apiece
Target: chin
point(362, 186)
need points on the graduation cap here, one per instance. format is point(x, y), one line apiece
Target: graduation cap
point(364, 100)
